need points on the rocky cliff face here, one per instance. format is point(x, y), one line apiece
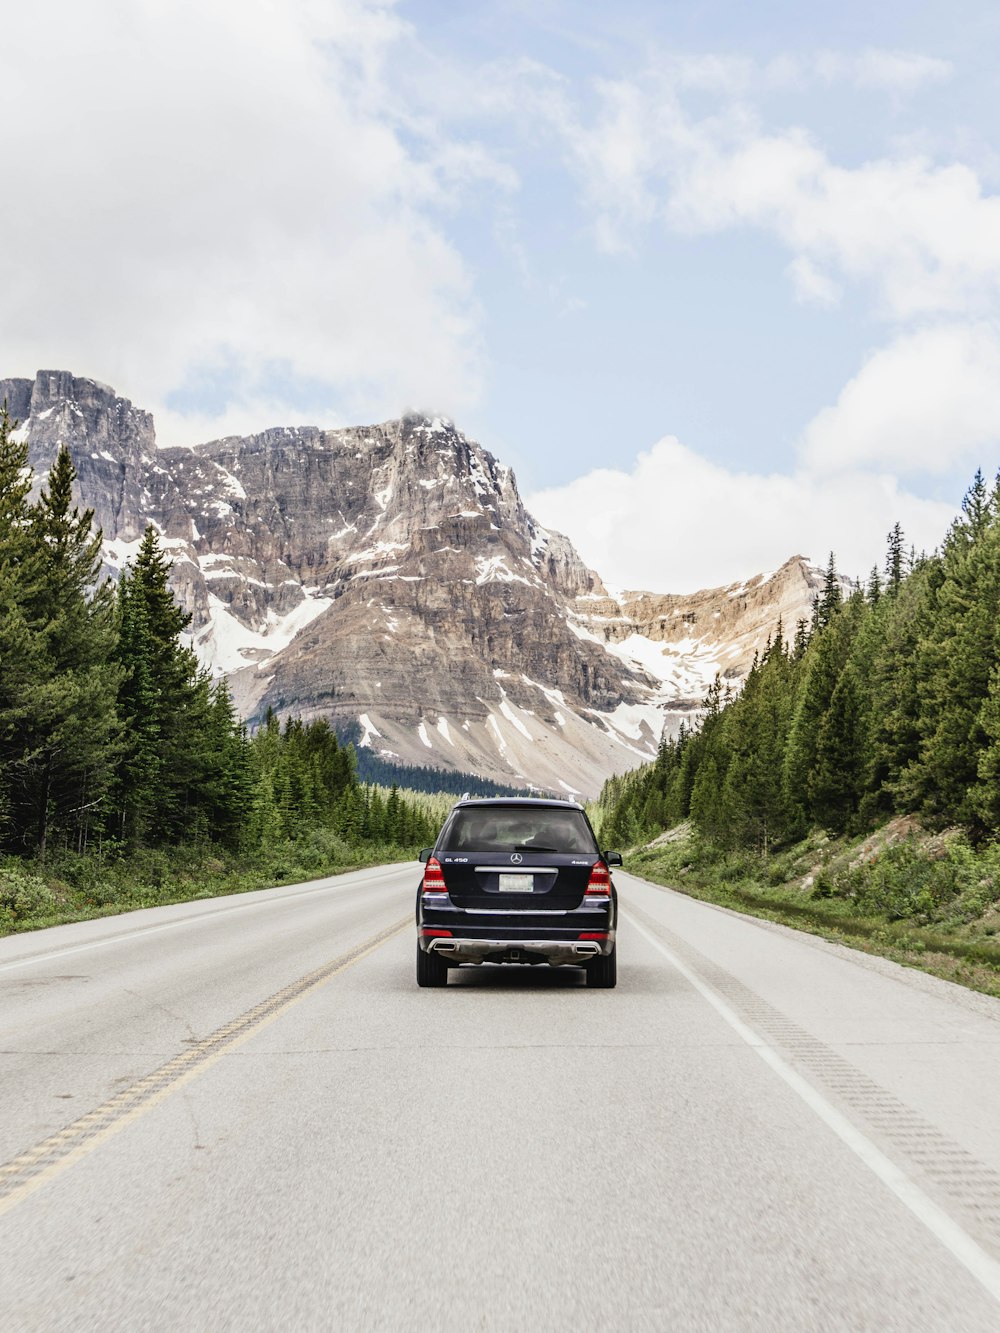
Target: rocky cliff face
point(685, 640)
point(112, 442)
point(389, 578)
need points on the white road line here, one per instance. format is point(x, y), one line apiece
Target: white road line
point(983, 1267)
point(127, 936)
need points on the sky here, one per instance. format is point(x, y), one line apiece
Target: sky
point(720, 281)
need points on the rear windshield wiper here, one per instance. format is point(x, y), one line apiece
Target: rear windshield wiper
point(532, 847)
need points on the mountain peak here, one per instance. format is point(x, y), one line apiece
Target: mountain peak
point(389, 578)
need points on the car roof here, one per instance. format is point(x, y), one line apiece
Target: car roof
point(526, 802)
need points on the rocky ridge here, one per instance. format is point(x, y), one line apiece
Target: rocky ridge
point(389, 577)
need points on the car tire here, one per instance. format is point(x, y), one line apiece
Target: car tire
point(431, 970)
point(602, 971)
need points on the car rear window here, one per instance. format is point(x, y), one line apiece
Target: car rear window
point(499, 829)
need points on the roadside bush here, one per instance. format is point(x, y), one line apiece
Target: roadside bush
point(904, 883)
point(23, 895)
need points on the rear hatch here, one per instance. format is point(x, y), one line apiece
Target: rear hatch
point(517, 858)
point(536, 882)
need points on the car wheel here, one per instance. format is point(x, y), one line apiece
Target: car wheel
point(431, 970)
point(602, 971)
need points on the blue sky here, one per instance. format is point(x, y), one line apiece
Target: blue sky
point(721, 281)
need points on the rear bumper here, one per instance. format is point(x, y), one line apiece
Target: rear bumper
point(562, 938)
point(557, 953)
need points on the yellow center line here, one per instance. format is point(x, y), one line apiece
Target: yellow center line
point(34, 1167)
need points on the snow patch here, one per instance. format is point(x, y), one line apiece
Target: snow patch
point(494, 727)
point(232, 485)
point(422, 733)
point(554, 696)
point(493, 569)
point(582, 632)
point(368, 731)
point(119, 553)
point(685, 667)
point(513, 719)
point(226, 644)
point(632, 720)
point(378, 550)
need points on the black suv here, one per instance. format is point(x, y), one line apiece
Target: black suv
point(517, 881)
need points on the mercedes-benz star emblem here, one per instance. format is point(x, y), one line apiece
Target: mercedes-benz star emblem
point(516, 858)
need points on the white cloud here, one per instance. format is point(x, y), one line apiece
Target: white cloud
point(926, 403)
point(812, 285)
point(676, 522)
point(896, 71)
point(224, 184)
point(923, 238)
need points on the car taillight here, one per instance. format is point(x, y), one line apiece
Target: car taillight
point(593, 935)
point(600, 880)
point(434, 877)
point(431, 934)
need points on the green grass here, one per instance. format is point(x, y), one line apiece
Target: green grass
point(924, 900)
point(70, 887)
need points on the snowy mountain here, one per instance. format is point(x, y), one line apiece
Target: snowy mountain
point(389, 577)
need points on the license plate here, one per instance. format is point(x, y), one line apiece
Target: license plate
point(517, 883)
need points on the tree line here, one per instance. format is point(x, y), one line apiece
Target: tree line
point(887, 703)
point(427, 778)
point(111, 732)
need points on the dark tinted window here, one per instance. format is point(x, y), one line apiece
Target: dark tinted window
point(502, 829)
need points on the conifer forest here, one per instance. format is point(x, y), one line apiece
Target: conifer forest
point(887, 703)
point(118, 753)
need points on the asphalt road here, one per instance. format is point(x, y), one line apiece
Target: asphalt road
point(243, 1114)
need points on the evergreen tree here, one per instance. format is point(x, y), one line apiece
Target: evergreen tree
point(956, 658)
point(707, 808)
point(66, 729)
point(829, 599)
point(80, 749)
point(821, 668)
point(873, 592)
point(21, 647)
point(892, 678)
point(227, 795)
point(894, 560)
point(985, 793)
point(173, 777)
point(836, 779)
point(140, 708)
point(801, 642)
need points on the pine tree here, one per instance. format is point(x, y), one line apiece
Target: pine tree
point(264, 826)
point(894, 560)
point(829, 599)
point(956, 659)
point(707, 809)
point(171, 783)
point(873, 591)
point(140, 708)
point(227, 790)
point(835, 781)
point(821, 668)
point(985, 793)
point(70, 729)
point(21, 645)
point(801, 642)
